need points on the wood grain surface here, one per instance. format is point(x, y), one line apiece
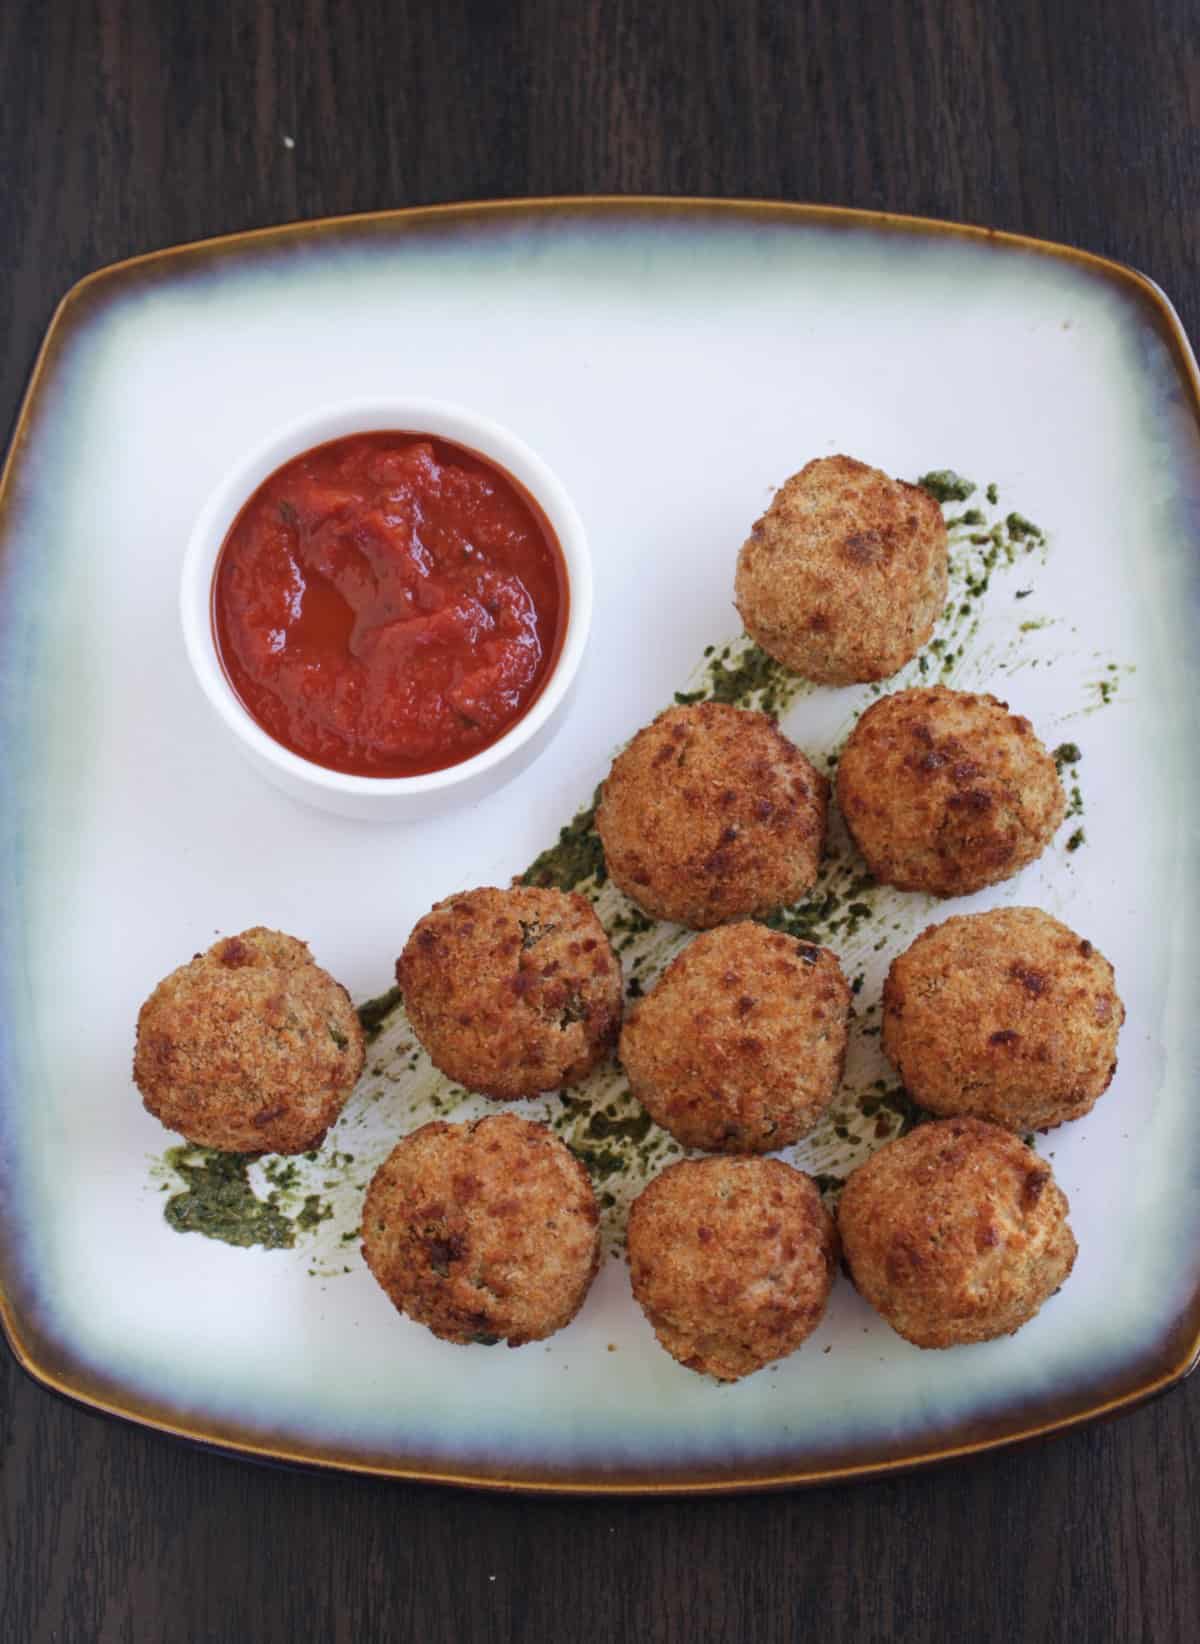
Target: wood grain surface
point(130, 124)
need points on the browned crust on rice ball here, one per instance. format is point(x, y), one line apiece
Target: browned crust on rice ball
point(512, 991)
point(956, 1232)
point(712, 814)
point(740, 1045)
point(946, 791)
point(845, 575)
point(483, 1232)
point(1008, 1015)
point(249, 1048)
point(732, 1262)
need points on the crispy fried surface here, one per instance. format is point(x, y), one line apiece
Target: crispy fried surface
point(946, 791)
point(712, 814)
point(956, 1232)
point(250, 1048)
point(1008, 1015)
point(483, 1232)
point(732, 1261)
point(845, 574)
point(740, 1045)
point(514, 991)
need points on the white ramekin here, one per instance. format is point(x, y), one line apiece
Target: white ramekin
point(400, 797)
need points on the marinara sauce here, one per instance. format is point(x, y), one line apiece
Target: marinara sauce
point(389, 604)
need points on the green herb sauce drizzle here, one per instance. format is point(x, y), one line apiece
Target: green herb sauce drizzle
point(219, 1201)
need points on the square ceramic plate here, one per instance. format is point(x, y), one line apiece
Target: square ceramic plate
point(674, 362)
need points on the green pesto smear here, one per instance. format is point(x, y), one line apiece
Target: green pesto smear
point(1066, 757)
point(373, 1013)
point(944, 485)
point(982, 544)
point(744, 676)
point(1108, 685)
point(607, 1139)
point(576, 856)
point(319, 1198)
point(219, 1202)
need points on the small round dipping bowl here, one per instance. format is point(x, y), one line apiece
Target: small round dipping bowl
point(389, 798)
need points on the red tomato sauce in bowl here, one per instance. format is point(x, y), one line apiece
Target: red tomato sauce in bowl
point(389, 604)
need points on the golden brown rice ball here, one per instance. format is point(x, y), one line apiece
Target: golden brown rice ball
point(513, 991)
point(956, 1232)
point(844, 576)
point(732, 1262)
point(946, 791)
point(249, 1048)
point(712, 814)
point(1007, 1015)
point(483, 1232)
point(740, 1045)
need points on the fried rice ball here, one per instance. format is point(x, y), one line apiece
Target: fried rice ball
point(740, 1045)
point(956, 1232)
point(512, 992)
point(712, 814)
point(1007, 1015)
point(483, 1232)
point(732, 1262)
point(249, 1048)
point(946, 791)
point(844, 576)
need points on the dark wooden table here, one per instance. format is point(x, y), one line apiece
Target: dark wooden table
point(131, 124)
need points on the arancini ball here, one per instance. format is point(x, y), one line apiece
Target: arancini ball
point(845, 575)
point(739, 1046)
point(1007, 1015)
point(955, 1233)
point(483, 1232)
point(732, 1261)
point(512, 991)
point(711, 814)
point(947, 791)
point(250, 1047)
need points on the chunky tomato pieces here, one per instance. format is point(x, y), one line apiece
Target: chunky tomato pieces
point(389, 604)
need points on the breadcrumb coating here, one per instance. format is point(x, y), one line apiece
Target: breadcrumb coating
point(1007, 1015)
point(740, 1045)
point(711, 814)
point(845, 575)
point(732, 1261)
point(956, 1232)
point(947, 791)
point(250, 1047)
point(483, 1232)
point(512, 991)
